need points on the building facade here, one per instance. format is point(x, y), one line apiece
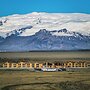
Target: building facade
point(38, 65)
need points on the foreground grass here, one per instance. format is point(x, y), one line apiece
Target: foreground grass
point(25, 80)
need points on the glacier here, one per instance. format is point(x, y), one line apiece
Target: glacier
point(45, 31)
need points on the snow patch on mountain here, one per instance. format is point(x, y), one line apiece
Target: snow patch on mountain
point(74, 22)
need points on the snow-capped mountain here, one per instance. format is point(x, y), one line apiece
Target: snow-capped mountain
point(45, 31)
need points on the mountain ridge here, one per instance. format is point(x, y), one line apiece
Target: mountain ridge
point(45, 31)
point(44, 40)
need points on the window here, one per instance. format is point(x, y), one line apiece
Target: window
point(37, 65)
point(76, 65)
point(23, 65)
point(82, 64)
point(79, 65)
point(19, 65)
point(5, 65)
point(33, 65)
point(88, 65)
point(72, 65)
point(28, 65)
point(10, 65)
point(14, 65)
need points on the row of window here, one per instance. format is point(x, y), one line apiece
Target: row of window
point(20, 65)
point(76, 65)
point(38, 65)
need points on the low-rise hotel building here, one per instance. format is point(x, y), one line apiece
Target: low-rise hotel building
point(56, 64)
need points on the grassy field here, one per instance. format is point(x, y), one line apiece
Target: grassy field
point(26, 80)
point(46, 55)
